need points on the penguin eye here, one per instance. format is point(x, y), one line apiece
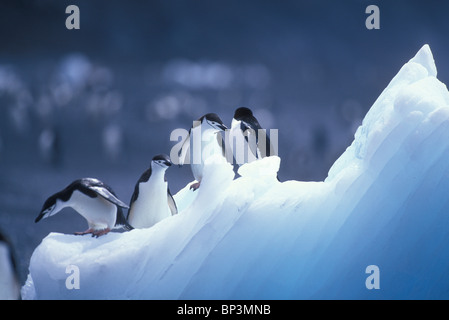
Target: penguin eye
point(160, 162)
point(49, 209)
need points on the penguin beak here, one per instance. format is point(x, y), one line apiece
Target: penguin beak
point(222, 127)
point(217, 125)
point(165, 163)
point(45, 213)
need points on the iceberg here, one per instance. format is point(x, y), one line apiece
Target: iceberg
point(384, 203)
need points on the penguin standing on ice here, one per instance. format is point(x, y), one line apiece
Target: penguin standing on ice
point(9, 279)
point(93, 200)
point(251, 140)
point(152, 201)
point(202, 142)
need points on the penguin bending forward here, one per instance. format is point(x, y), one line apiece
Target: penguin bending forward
point(152, 201)
point(93, 200)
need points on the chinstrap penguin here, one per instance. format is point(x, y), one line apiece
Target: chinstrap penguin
point(152, 201)
point(251, 140)
point(202, 142)
point(93, 200)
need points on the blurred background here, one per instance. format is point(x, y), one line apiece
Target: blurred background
point(101, 101)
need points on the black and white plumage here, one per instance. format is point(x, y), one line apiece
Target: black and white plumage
point(251, 140)
point(9, 279)
point(201, 143)
point(152, 201)
point(93, 200)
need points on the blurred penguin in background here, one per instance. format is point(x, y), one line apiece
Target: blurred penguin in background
point(49, 146)
point(9, 280)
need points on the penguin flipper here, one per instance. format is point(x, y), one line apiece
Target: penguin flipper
point(264, 146)
point(171, 203)
point(106, 194)
point(270, 148)
point(251, 133)
point(93, 187)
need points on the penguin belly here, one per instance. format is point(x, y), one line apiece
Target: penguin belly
point(209, 148)
point(197, 171)
point(151, 205)
point(99, 213)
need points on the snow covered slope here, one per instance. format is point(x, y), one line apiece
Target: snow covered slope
point(385, 203)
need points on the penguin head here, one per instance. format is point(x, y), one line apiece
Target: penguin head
point(213, 121)
point(242, 112)
point(161, 160)
point(50, 207)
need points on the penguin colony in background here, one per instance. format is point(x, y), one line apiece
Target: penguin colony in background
point(151, 200)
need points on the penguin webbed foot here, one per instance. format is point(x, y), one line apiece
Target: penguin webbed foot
point(81, 233)
point(95, 233)
point(195, 186)
point(98, 233)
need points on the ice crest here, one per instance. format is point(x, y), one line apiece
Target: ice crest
point(424, 57)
